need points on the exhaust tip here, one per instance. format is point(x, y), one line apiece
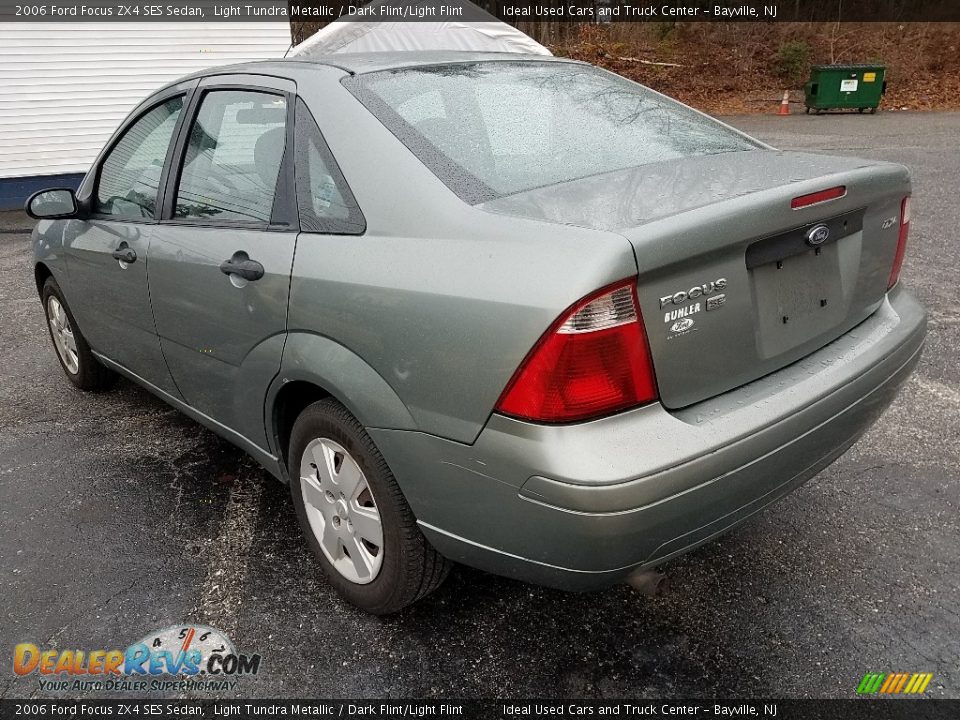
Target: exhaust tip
point(649, 583)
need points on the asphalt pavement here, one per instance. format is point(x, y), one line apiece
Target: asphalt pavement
point(118, 516)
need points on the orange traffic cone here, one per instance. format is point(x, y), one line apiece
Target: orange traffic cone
point(785, 104)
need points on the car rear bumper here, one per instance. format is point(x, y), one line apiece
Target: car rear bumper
point(582, 506)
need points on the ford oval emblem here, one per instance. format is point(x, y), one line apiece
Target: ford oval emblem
point(681, 325)
point(818, 235)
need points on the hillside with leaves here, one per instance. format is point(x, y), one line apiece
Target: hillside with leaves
point(725, 68)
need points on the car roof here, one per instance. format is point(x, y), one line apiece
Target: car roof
point(372, 62)
point(358, 63)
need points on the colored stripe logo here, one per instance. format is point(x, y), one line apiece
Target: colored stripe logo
point(894, 683)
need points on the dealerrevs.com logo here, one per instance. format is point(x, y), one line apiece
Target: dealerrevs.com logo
point(179, 657)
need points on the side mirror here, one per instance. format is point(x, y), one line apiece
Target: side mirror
point(52, 204)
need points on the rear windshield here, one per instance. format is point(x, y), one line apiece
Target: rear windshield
point(492, 129)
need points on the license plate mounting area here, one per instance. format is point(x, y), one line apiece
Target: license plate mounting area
point(801, 281)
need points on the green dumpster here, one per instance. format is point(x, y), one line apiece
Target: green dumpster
point(857, 87)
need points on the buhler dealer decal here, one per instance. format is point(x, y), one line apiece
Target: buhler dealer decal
point(179, 657)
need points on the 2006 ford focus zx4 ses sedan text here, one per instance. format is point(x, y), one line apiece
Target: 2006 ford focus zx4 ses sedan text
point(518, 313)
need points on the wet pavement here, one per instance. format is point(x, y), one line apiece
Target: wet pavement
point(119, 516)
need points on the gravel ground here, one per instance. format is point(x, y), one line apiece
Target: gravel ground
point(118, 516)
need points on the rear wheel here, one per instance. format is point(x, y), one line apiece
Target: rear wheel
point(78, 363)
point(354, 516)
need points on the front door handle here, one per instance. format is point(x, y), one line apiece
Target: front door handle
point(124, 253)
point(242, 266)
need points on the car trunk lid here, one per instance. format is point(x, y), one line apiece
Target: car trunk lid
point(734, 282)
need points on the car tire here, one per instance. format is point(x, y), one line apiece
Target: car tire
point(341, 485)
point(78, 362)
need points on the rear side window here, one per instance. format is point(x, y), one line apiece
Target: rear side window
point(497, 128)
point(233, 157)
point(130, 174)
point(325, 202)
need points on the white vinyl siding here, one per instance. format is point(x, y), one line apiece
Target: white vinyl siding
point(65, 87)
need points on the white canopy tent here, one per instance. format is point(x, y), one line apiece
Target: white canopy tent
point(369, 35)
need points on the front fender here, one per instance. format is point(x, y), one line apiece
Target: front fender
point(47, 242)
point(312, 358)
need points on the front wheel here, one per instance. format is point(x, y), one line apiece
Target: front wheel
point(354, 516)
point(73, 352)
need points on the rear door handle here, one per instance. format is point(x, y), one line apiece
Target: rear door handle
point(242, 266)
point(124, 253)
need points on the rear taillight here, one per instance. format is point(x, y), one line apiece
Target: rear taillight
point(901, 242)
point(593, 361)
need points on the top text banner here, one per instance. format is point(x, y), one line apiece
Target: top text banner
point(593, 11)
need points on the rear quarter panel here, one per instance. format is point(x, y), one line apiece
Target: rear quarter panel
point(441, 300)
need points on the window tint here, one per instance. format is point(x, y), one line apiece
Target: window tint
point(233, 157)
point(326, 203)
point(130, 175)
point(497, 128)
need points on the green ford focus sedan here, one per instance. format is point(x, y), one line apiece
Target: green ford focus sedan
point(518, 313)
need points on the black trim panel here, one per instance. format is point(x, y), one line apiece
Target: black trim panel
point(794, 242)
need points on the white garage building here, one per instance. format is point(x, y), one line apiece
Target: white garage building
point(65, 87)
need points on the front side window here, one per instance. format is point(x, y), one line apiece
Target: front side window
point(130, 174)
point(233, 157)
point(492, 129)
